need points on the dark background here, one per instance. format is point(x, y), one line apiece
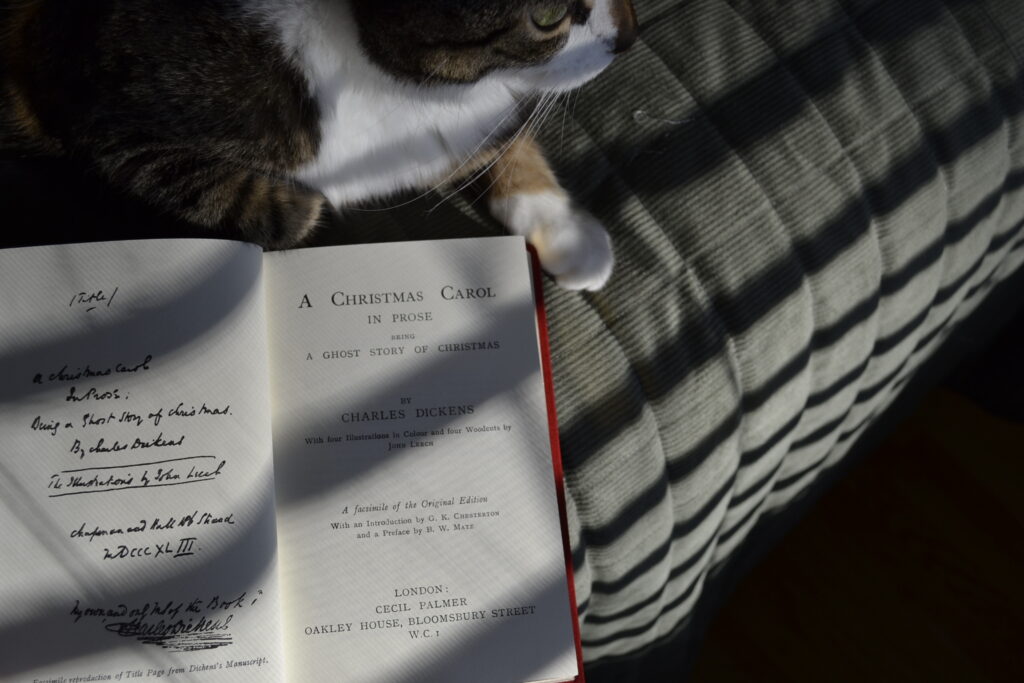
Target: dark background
point(911, 567)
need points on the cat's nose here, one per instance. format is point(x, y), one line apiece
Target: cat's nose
point(625, 22)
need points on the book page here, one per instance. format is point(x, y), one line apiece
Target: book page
point(136, 477)
point(417, 514)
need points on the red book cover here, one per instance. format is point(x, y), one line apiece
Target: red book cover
point(556, 453)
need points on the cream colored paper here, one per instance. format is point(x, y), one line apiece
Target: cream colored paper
point(136, 500)
point(417, 516)
point(416, 503)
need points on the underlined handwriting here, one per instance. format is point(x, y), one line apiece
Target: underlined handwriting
point(174, 472)
point(90, 301)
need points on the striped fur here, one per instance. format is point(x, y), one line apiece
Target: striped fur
point(255, 117)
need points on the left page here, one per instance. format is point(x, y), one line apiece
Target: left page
point(136, 479)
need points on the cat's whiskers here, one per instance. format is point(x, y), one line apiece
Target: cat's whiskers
point(528, 128)
point(576, 101)
point(525, 127)
point(476, 150)
point(565, 111)
point(543, 108)
point(513, 110)
point(495, 157)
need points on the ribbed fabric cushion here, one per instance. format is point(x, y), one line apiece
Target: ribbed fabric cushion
point(806, 196)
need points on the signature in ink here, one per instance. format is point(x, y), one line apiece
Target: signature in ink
point(181, 635)
point(174, 625)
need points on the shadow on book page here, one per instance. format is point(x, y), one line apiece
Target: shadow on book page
point(410, 537)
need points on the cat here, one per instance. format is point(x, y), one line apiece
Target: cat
point(263, 117)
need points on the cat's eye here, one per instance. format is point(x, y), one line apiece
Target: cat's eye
point(549, 15)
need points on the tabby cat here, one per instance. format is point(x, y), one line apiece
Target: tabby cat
point(261, 117)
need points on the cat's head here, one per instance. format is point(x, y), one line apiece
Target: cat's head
point(538, 45)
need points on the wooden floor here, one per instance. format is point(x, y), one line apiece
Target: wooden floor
point(910, 569)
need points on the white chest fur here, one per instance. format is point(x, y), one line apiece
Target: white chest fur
point(379, 135)
point(377, 143)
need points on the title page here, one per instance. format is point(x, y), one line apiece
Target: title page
point(418, 522)
point(136, 484)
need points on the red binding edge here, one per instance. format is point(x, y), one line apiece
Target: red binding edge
point(556, 451)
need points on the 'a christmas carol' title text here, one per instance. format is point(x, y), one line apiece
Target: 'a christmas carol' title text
point(447, 293)
point(402, 299)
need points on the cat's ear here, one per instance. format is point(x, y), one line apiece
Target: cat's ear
point(526, 197)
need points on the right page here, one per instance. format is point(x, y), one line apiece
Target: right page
point(418, 526)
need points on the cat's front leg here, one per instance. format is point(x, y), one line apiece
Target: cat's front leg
point(526, 197)
point(216, 193)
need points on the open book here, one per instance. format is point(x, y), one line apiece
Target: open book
point(327, 464)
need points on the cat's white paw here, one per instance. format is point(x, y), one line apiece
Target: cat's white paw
point(572, 245)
